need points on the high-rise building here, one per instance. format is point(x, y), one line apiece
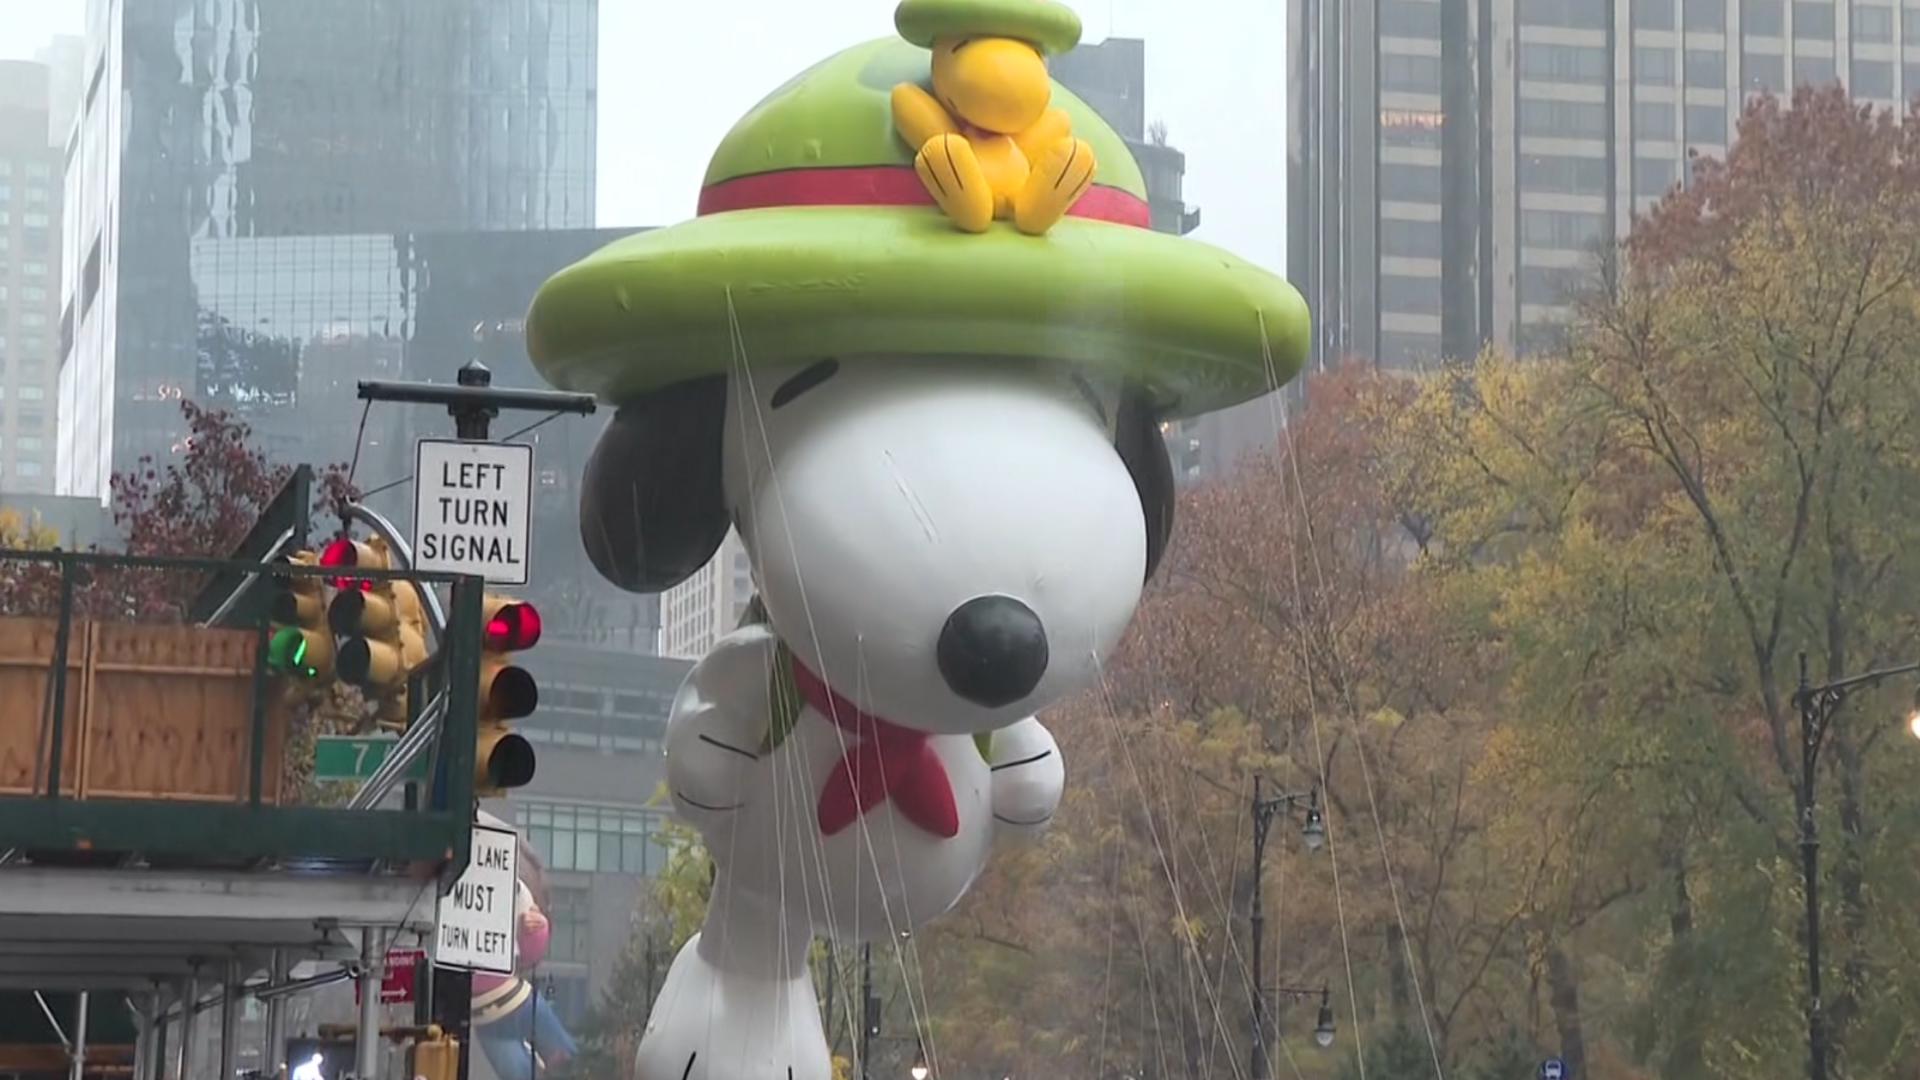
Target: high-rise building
point(208, 121)
point(1456, 165)
point(65, 58)
point(30, 200)
point(707, 606)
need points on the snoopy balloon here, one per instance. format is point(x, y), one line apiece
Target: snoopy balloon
point(941, 448)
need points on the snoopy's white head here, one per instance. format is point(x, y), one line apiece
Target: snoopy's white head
point(950, 545)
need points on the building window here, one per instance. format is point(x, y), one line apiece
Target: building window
point(1910, 30)
point(1706, 15)
point(1400, 349)
point(33, 269)
point(1813, 70)
point(1414, 74)
point(1763, 18)
point(1653, 14)
point(1550, 285)
point(1653, 65)
point(1653, 120)
point(1872, 78)
point(1652, 176)
point(1813, 19)
point(1410, 18)
point(1564, 175)
point(1564, 63)
point(26, 468)
point(1562, 229)
point(27, 444)
point(1410, 128)
point(1563, 119)
point(38, 170)
point(1579, 14)
point(1410, 295)
point(1766, 73)
point(594, 839)
point(32, 318)
point(36, 194)
point(1410, 239)
point(1706, 68)
point(570, 911)
point(1911, 72)
point(1403, 182)
point(34, 294)
point(32, 393)
point(33, 220)
point(1707, 125)
point(1873, 24)
point(6, 191)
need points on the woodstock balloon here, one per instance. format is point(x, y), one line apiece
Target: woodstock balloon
point(941, 449)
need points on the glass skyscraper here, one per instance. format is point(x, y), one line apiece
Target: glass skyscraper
point(239, 176)
point(1454, 164)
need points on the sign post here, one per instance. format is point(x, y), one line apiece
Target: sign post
point(1554, 1069)
point(475, 928)
point(472, 508)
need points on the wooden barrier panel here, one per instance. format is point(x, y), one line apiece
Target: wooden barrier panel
point(26, 703)
point(153, 712)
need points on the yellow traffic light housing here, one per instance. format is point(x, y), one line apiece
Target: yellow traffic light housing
point(503, 759)
point(366, 613)
point(301, 645)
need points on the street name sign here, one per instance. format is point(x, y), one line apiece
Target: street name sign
point(356, 757)
point(475, 928)
point(472, 508)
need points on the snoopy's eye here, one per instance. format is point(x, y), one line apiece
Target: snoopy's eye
point(807, 379)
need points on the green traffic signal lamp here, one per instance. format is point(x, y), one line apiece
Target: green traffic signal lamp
point(301, 645)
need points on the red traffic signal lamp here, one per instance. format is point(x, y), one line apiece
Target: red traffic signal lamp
point(503, 759)
point(346, 553)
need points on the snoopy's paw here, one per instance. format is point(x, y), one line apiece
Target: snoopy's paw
point(1028, 778)
point(711, 1024)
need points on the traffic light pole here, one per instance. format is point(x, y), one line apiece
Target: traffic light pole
point(473, 402)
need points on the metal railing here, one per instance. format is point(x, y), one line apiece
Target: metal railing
point(108, 620)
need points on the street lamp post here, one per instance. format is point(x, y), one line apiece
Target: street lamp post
point(1314, 833)
point(1817, 706)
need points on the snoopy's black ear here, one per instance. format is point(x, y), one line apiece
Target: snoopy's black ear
point(1136, 435)
point(652, 504)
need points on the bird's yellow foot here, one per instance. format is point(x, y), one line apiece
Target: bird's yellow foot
point(1060, 176)
point(952, 173)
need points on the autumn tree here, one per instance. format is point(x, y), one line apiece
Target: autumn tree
point(1710, 480)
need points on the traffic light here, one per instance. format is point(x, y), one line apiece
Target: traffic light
point(436, 1058)
point(503, 759)
point(301, 645)
point(366, 615)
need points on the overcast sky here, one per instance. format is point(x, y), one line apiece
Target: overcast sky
point(674, 77)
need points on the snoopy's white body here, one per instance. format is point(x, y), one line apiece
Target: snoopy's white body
point(875, 503)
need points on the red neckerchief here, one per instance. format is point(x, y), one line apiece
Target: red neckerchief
point(888, 761)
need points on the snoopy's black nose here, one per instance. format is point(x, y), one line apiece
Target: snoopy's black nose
point(993, 650)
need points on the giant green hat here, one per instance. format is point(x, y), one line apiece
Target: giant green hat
point(815, 239)
point(1050, 25)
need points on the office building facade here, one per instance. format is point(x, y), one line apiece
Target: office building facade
point(30, 200)
point(209, 121)
point(1456, 166)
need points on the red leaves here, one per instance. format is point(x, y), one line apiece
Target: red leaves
point(1821, 149)
point(200, 504)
